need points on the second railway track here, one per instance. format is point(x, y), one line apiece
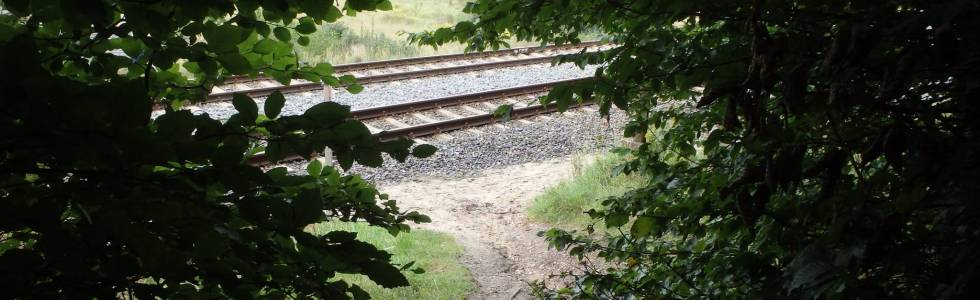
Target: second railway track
point(402, 69)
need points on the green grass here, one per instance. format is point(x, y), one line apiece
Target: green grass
point(409, 16)
point(379, 35)
point(437, 253)
point(338, 44)
point(564, 205)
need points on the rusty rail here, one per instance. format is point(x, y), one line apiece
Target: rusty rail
point(465, 122)
point(387, 110)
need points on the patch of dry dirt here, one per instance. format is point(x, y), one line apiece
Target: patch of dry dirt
point(486, 215)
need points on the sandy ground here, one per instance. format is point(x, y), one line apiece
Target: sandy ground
point(486, 215)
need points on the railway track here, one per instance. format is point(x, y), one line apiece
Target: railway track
point(402, 69)
point(380, 65)
point(440, 115)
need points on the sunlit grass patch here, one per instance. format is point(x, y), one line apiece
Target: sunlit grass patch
point(436, 253)
point(564, 205)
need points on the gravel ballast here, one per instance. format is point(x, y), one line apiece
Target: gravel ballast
point(468, 153)
point(416, 89)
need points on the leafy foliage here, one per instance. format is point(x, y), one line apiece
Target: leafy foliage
point(102, 201)
point(804, 149)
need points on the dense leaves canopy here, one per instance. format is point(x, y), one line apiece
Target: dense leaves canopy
point(99, 200)
point(817, 148)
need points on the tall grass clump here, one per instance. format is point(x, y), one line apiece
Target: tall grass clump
point(337, 44)
point(564, 205)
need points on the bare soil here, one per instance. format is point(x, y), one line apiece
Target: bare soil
point(486, 215)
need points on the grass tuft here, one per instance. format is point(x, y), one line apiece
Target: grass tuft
point(564, 205)
point(437, 253)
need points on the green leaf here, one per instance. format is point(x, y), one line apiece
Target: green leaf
point(642, 226)
point(307, 207)
point(333, 14)
point(273, 104)
point(328, 112)
point(384, 5)
point(303, 41)
point(443, 33)
point(385, 275)
point(347, 79)
point(359, 294)
point(350, 131)
point(131, 47)
point(368, 157)
point(323, 69)
point(345, 159)
point(361, 5)
point(263, 29)
point(503, 111)
point(235, 63)
point(424, 150)
point(282, 34)
point(223, 38)
point(314, 168)
point(306, 25)
point(616, 220)
point(277, 150)
point(317, 9)
point(176, 125)
point(264, 46)
point(355, 88)
point(245, 106)
point(227, 155)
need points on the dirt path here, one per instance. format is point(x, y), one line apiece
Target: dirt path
point(486, 215)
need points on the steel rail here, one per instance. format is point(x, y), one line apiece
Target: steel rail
point(457, 56)
point(465, 122)
point(454, 69)
point(381, 78)
point(407, 107)
point(265, 91)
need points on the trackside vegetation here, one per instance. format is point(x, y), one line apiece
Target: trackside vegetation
point(816, 149)
point(378, 35)
point(99, 201)
point(593, 180)
point(339, 44)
